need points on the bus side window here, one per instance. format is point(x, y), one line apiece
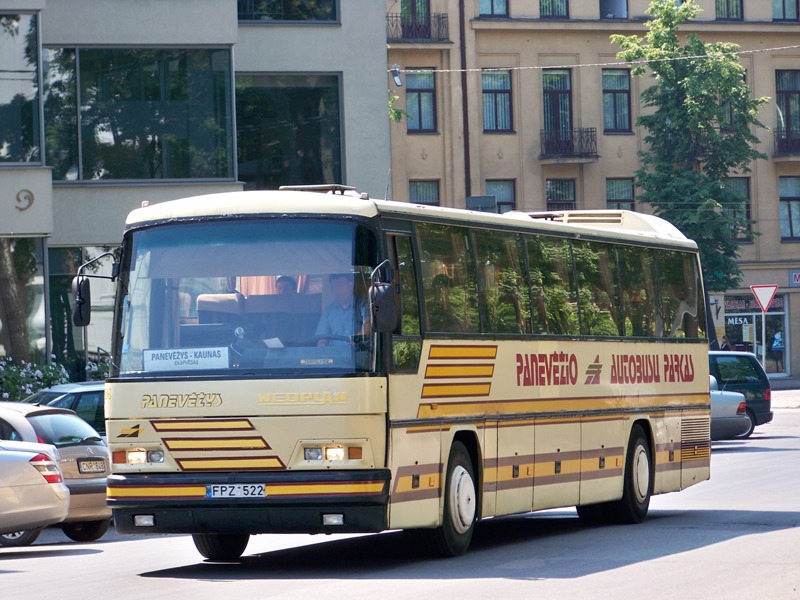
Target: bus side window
point(595, 264)
point(553, 296)
point(636, 266)
point(407, 344)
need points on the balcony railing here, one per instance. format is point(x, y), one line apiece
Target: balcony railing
point(577, 143)
point(787, 141)
point(403, 29)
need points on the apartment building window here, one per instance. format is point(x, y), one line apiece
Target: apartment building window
point(787, 84)
point(496, 100)
point(784, 10)
point(789, 189)
point(152, 113)
point(288, 129)
point(613, 9)
point(620, 194)
point(504, 192)
point(557, 101)
point(20, 119)
point(421, 101)
point(493, 8)
point(265, 11)
point(740, 186)
point(424, 192)
point(553, 9)
point(560, 194)
point(616, 100)
point(729, 10)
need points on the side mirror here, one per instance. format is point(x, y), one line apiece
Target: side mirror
point(383, 309)
point(82, 295)
point(382, 302)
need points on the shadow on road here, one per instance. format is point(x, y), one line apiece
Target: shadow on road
point(527, 547)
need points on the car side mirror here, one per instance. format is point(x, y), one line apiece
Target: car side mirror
point(82, 295)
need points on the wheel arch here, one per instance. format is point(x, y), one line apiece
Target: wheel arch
point(469, 438)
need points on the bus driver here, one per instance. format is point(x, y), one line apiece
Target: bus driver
point(345, 316)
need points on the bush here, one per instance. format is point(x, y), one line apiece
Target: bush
point(18, 380)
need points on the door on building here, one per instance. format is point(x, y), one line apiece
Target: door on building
point(557, 102)
point(415, 17)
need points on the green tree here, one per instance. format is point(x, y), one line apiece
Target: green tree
point(699, 132)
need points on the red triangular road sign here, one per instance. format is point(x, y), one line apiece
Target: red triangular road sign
point(764, 294)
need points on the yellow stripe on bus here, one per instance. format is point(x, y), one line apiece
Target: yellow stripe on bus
point(232, 464)
point(243, 443)
point(455, 390)
point(439, 352)
point(444, 371)
point(203, 425)
point(303, 489)
point(509, 407)
point(156, 491)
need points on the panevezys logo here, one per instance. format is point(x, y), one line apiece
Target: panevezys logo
point(593, 372)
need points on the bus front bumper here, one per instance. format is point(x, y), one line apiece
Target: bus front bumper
point(277, 502)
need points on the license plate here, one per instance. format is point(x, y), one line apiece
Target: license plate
point(91, 466)
point(236, 490)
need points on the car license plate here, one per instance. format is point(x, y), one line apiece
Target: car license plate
point(236, 490)
point(91, 466)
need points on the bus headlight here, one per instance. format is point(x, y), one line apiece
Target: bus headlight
point(334, 453)
point(312, 453)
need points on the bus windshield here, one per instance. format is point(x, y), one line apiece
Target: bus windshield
point(256, 296)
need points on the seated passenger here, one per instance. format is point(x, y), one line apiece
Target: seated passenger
point(286, 285)
point(343, 318)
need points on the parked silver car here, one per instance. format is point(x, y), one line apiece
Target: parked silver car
point(728, 413)
point(32, 491)
point(84, 461)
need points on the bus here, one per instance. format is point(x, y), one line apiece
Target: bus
point(489, 365)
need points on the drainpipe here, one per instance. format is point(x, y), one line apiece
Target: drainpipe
point(464, 105)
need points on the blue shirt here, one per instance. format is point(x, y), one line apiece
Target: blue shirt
point(341, 321)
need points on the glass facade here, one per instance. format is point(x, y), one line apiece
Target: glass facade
point(121, 113)
point(288, 130)
point(287, 10)
point(20, 138)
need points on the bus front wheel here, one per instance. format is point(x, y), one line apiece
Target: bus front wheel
point(453, 536)
point(221, 546)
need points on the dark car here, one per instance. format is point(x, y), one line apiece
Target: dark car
point(86, 398)
point(742, 372)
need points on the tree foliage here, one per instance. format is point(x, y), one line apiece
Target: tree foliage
point(699, 133)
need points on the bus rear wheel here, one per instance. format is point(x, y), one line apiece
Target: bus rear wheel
point(221, 546)
point(453, 536)
point(638, 483)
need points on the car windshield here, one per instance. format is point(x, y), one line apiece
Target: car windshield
point(43, 397)
point(256, 296)
point(64, 429)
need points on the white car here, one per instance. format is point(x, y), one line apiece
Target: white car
point(728, 413)
point(83, 456)
point(32, 491)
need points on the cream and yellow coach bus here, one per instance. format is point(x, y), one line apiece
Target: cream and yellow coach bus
point(297, 361)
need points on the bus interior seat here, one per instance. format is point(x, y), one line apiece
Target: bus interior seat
point(289, 317)
point(221, 308)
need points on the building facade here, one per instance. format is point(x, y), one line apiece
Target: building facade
point(107, 104)
point(522, 104)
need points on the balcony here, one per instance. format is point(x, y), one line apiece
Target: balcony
point(432, 29)
point(787, 141)
point(563, 145)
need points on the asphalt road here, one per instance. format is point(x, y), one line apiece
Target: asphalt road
point(735, 536)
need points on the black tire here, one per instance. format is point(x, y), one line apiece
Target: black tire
point(751, 416)
point(453, 536)
point(86, 531)
point(223, 547)
point(19, 538)
point(638, 483)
